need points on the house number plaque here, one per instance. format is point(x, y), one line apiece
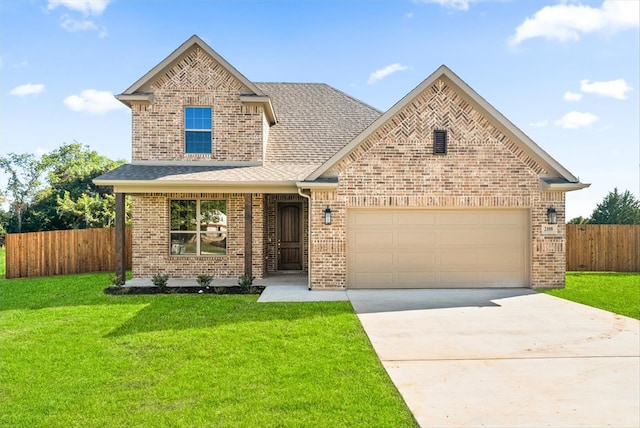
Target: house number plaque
point(549, 229)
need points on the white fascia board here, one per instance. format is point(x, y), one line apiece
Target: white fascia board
point(166, 186)
point(316, 186)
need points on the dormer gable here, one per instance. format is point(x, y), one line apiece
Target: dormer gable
point(196, 80)
point(420, 101)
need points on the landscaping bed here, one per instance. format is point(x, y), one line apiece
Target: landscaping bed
point(116, 290)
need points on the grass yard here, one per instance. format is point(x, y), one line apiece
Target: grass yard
point(614, 292)
point(71, 356)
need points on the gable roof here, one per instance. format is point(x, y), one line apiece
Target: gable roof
point(315, 120)
point(555, 170)
point(175, 55)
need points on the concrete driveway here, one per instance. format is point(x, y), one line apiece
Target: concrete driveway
point(505, 358)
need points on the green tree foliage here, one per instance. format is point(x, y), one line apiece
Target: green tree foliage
point(24, 180)
point(70, 200)
point(579, 220)
point(617, 208)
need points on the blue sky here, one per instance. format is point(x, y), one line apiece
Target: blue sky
point(564, 72)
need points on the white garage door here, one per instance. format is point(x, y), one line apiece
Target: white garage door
point(418, 248)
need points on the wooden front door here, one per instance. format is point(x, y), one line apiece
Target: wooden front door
point(289, 236)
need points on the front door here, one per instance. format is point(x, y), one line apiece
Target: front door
point(289, 236)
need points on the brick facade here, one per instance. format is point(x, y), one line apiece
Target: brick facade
point(393, 167)
point(197, 80)
point(396, 167)
point(151, 252)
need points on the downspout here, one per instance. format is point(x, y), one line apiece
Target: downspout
point(308, 197)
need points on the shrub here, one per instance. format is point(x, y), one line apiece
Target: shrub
point(245, 282)
point(160, 280)
point(204, 280)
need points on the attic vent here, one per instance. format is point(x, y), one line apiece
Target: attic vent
point(439, 142)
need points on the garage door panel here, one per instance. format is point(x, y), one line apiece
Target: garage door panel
point(421, 248)
point(459, 237)
point(416, 279)
point(461, 258)
point(415, 218)
point(373, 262)
point(373, 218)
point(372, 239)
point(374, 280)
point(416, 261)
point(416, 238)
point(501, 237)
point(499, 257)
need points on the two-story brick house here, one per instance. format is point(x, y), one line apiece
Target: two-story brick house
point(229, 176)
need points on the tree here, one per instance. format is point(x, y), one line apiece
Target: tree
point(70, 200)
point(24, 172)
point(579, 220)
point(617, 208)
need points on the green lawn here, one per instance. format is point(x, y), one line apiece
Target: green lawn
point(71, 356)
point(614, 292)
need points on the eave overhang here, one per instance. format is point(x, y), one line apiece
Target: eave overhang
point(197, 186)
point(263, 101)
point(129, 99)
point(550, 185)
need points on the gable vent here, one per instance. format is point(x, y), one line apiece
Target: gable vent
point(439, 142)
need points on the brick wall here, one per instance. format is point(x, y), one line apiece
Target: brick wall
point(197, 80)
point(151, 238)
point(395, 167)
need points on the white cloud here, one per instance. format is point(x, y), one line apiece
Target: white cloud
point(451, 4)
point(386, 71)
point(409, 15)
point(540, 124)
point(572, 96)
point(575, 120)
point(87, 7)
point(27, 89)
point(613, 88)
point(73, 25)
point(567, 22)
point(93, 102)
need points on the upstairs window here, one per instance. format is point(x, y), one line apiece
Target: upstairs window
point(197, 129)
point(439, 142)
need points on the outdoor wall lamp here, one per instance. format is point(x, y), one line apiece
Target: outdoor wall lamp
point(552, 215)
point(327, 215)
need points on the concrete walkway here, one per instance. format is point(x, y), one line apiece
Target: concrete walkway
point(504, 358)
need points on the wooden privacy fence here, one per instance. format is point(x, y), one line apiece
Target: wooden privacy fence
point(603, 247)
point(62, 252)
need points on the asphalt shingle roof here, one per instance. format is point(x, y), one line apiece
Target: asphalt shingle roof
point(314, 122)
point(185, 173)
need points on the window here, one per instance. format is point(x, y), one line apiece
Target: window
point(197, 129)
point(439, 142)
point(198, 227)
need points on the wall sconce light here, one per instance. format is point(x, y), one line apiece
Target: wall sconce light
point(327, 215)
point(552, 215)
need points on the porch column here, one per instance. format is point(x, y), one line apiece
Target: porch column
point(248, 234)
point(120, 244)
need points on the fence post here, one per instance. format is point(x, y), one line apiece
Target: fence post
point(120, 241)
